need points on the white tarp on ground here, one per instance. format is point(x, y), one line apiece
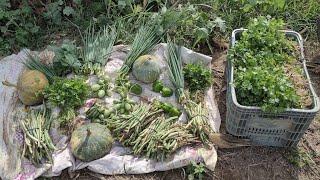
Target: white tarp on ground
point(119, 160)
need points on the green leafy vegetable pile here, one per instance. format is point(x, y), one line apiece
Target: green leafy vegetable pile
point(261, 58)
point(66, 58)
point(197, 77)
point(66, 93)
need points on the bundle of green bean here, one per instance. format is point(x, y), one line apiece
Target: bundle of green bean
point(38, 145)
point(162, 138)
point(149, 133)
point(197, 113)
point(198, 121)
point(126, 128)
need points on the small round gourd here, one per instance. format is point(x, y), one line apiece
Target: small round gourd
point(91, 141)
point(30, 85)
point(146, 69)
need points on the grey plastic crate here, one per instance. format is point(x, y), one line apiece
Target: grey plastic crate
point(283, 129)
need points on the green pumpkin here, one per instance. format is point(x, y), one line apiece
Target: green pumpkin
point(146, 69)
point(91, 141)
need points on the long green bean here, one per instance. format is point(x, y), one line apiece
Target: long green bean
point(38, 145)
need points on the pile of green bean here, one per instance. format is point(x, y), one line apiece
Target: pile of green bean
point(126, 127)
point(149, 132)
point(161, 138)
point(38, 145)
point(198, 121)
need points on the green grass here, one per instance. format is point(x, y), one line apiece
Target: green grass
point(299, 157)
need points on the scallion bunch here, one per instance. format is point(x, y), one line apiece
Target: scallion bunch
point(175, 69)
point(97, 48)
point(34, 63)
point(143, 43)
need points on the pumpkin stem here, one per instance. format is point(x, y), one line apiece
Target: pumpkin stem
point(6, 83)
point(88, 132)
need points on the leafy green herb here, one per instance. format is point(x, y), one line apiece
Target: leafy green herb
point(66, 93)
point(259, 58)
point(273, 91)
point(197, 77)
point(66, 58)
point(196, 171)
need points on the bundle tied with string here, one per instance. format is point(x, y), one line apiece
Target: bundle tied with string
point(197, 113)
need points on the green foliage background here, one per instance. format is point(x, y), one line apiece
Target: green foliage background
point(193, 23)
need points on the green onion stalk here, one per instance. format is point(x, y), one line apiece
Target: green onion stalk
point(143, 43)
point(197, 113)
point(34, 63)
point(175, 70)
point(97, 48)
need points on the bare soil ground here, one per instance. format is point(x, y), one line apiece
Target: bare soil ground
point(251, 163)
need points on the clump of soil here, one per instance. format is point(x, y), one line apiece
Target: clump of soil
point(301, 85)
point(294, 71)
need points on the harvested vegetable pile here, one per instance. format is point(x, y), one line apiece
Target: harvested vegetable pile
point(38, 144)
point(139, 107)
point(197, 114)
point(266, 63)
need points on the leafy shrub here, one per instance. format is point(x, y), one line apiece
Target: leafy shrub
point(299, 14)
point(196, 171)
point(66, 58)
point(29, 23)
point(17, 26)
point(189, 25)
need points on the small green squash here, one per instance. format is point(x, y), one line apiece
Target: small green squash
point(146, 69)
point(91, 141)
point(30, 86)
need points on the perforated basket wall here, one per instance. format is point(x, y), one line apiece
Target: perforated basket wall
point(284, 129)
